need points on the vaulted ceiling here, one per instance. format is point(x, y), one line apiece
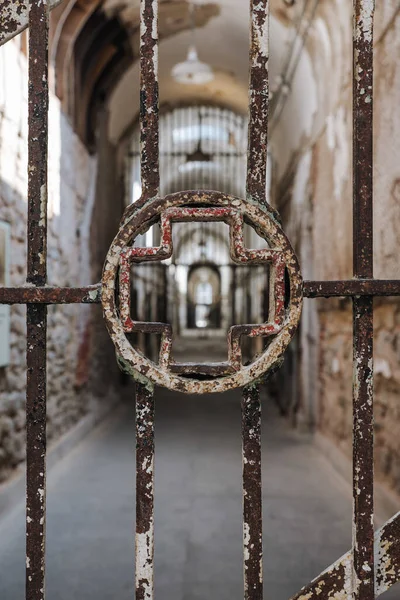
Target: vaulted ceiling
point(95, 44)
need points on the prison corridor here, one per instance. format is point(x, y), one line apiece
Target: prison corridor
point(198, 508)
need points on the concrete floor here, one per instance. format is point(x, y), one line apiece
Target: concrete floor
point(307, 509)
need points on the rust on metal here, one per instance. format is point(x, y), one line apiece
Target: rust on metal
point(387, 555)
point(363, 432)
point(144, 546)
point(92, 294)
point(363, 138)
point(337, 581)
point(351, 287)
point(363, 458)
point(50, 295)
point(35, 451)
point(36, 314)
point(37, 144)
point(201, 206)
point(252, 493)
point(239, 254)
point(149, 130)
point(256, 190)
point(14, 17)
point(258, 102)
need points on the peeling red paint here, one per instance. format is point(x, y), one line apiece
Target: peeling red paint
point(216, 207)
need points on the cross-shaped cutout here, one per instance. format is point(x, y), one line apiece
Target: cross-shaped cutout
point(239, 254)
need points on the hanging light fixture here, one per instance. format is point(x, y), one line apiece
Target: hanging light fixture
point(192, 70)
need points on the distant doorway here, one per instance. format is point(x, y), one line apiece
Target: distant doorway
point(204, 297)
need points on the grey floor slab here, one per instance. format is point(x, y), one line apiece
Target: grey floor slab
point(90, 543)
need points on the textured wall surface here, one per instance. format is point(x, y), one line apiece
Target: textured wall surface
point(320, 218)
point(335, 415)
point(70, 328)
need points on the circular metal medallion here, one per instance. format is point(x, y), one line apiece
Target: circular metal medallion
point(286, 291)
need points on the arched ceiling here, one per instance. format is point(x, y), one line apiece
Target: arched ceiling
point(94, 50)
point(105, 72)
point(223, 42)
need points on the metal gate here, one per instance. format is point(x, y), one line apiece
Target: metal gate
point(373, 564)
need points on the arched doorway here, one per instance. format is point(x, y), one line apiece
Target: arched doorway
point(204, 297)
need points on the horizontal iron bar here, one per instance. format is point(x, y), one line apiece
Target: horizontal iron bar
point(92, 294)
point(206, 369)
point(50, 295)
point(352, 287)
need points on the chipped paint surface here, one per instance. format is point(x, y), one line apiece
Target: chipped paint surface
point(252, 496)
point(13, 14)
point(14, 17)
point(144, 543)
point(36, 314)
point(387, 555)
point(363, 414)
point(149, 131)
point(363, 448)
point(364, 21)
point(30, 294)
point(258, 102)
point(337, 581)
point(207, 206)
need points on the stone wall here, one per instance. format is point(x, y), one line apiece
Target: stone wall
point(312, 148)
point(321, 217)
point(335, 412)
point(71, 329)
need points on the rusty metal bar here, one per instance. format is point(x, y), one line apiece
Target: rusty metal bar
point(149, 130)
point(337, 580)
point(144, 493)
point(256, 182)
point(14, 17)
point(92, 294)
point(252, 493)
point(35, 451)
point(50, 295)
point(351, 287)
point(36, 314)
point(233, 293)
point(363, 471)
point(258, 102)
point(363, 434)
point(363, 139)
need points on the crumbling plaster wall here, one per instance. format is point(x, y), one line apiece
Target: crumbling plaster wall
point(71, 196)
point(319, 222)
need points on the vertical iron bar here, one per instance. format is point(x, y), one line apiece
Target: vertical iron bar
point(144, 493)
point(181, 145)
point(201, 143)
point(251, 407)
point(149, 129)
point(363, 473)
point(252, 493)
point(363, 138)
point(217, 149)
point(230, 160)
point(36, 314)
point(233, 293)
point(36, 451)
point(258, 101)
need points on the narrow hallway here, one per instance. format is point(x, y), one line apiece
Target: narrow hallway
point(90, 543)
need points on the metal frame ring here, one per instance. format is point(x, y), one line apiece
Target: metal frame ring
point(201, 206)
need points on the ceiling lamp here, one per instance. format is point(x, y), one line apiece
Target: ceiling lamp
point(192, 70)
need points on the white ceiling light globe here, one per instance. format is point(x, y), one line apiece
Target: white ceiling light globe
point(192, 71)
